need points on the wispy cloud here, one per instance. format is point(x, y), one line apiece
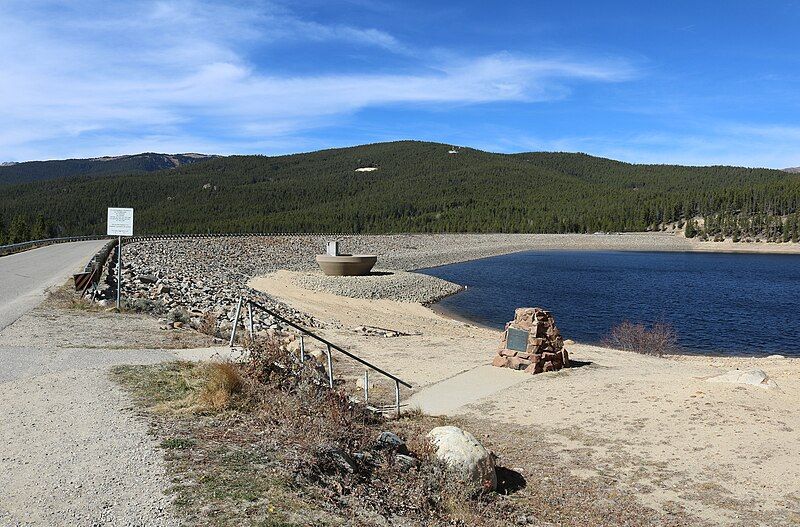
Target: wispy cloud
point(708, 143)
point(122, 76)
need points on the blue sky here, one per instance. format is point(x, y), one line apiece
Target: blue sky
point(702, 82)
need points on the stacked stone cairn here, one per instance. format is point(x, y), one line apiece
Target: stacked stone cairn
point(532, 342)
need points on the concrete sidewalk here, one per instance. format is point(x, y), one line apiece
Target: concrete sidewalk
point(448, 396)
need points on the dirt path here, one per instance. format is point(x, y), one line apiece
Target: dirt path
point(72, 451)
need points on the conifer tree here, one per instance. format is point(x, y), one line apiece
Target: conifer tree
point(39, 228)
point(18, 231)
point(690, 231)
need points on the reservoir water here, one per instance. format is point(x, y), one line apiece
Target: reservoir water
point(743, 304)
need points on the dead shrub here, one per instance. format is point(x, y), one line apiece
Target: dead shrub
point(659, 340)
point(210, 387)
point(143, 305)
point(330, 442)
point(221, 383)
point(179, 314)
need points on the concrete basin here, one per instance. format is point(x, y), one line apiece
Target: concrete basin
point(346, 264)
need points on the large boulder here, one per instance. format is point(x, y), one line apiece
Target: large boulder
point(752, 377)
point(464, 455)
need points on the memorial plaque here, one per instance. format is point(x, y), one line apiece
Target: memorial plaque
point(517, 339)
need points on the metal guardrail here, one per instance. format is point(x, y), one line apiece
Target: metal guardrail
point(330, 346)
point(155, 237)
point(94, 269)
point(24, 246)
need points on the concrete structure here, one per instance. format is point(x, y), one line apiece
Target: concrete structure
point(346, 264)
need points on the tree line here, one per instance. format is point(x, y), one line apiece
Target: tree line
point(419, 187)
point(22, 229)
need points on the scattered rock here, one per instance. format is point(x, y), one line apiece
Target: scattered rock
point(752, 377)
point(390, 440)
point(406, 462)
point(399, 286)
point(147, 278)
point(331, 458)
point(465, 456)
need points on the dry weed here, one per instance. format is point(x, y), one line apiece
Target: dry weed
point(65, 297)
point(211, 387)
point(221, 383)
point(659, 340)
point(208, 324)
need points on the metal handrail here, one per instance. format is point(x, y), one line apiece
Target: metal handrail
point(250, 304)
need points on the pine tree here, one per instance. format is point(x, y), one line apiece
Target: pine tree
point(690, 231)
point(39, 228)
point(18, 231)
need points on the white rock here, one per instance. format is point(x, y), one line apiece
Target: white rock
point(464, 455)
point(753, 377)
point(360, 383)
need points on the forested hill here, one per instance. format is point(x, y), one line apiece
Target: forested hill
point(418, 187)
point(64, 168)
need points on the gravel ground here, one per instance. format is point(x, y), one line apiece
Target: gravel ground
point(400, 286)
point(71, 450)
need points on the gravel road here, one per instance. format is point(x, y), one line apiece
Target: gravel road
point(25, 276)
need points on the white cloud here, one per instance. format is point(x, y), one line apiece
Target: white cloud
point(710, 143)
point(79, 76)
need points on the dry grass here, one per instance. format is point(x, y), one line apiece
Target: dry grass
point(271, 427)
point(221, 382)
point(207, 388)
point(65, 297)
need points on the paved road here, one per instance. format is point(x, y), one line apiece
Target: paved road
point(25, 276)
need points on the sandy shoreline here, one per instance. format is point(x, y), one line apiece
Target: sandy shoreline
point(651, 427)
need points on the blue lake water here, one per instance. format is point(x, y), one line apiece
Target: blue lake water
point(744, 304)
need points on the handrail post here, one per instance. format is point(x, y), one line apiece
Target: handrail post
point(330, 347)
point(366, 386)
point(397, 397)
point(236, 321)
point(250, 320)
point(330, 367)
point(302, 348)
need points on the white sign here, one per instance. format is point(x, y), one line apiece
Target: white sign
point(120, 222)
point(333, 249)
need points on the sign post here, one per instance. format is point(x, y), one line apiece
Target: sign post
point(120, 223)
